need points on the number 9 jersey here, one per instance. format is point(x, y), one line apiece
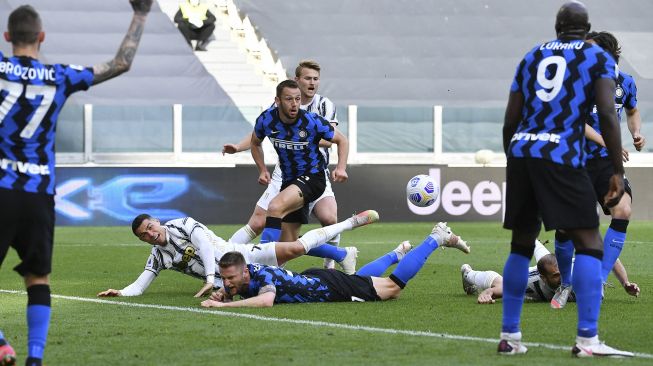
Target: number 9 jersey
point(31, 97)
point(557, 81)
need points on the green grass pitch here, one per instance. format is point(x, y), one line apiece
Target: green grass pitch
point(89, 260)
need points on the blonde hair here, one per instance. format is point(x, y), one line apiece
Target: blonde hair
point(307, 64)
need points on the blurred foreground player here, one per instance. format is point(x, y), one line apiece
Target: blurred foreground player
point(31, 97)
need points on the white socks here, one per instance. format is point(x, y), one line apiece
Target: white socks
point(481, 279)
point(244, 235)
point(317, 237)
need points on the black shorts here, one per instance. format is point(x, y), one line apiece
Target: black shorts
point(539, 190)
point(27, 226)
point(312, 187)
point(600, 171)
point(344, 287)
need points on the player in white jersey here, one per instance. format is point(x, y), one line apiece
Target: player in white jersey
point(325, 208)
point(187, 246)
point(543, 279)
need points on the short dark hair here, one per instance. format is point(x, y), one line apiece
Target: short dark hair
point(608, 42)
point(231, 259)
point(544, 263)
point(306, 64)
point(292, 84)
point(24, 25)
point(139, 220)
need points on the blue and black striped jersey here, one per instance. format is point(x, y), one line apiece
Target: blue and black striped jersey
point(31, 97)
point(624, 96)
point(557, 81)
point(290, 286)
point(296, 144)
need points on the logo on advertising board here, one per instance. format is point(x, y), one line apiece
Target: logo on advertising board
point(457, 198)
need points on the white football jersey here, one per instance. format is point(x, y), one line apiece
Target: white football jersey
point(191, 248)
point(325, 108)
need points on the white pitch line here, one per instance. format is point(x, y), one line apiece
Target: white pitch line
point(305, 322)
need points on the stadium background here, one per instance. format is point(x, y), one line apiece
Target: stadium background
point(420, 86)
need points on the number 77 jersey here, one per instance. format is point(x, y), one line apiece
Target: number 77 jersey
point(557, 81)
point(31, 97)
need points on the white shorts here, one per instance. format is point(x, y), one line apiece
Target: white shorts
point(328, 192)
point(253, 253)
point(275, 187)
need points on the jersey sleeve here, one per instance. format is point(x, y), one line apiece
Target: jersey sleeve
point(259, 126)
point(630, 102)
point(324, 128)
point(77, 78)
point(201, 238)
point(608, 68)
point(140, 285)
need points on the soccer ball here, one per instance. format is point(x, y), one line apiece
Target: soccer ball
point(422, 190)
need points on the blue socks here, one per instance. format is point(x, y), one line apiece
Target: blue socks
point(3, 341)
point(379, 265)
point(564, 250)
point(38, 319)
point(613, 243)
point(272, 230)
point(413, 262)
point(587, 286)
point(515, 280)
point(328, 251)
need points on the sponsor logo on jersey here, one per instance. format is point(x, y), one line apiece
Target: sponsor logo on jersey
point(524, 136)
point(289, 145)
point(24, 167)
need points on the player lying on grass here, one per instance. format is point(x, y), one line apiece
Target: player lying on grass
point(187, 246)
point(543, 279)
point(263, 286)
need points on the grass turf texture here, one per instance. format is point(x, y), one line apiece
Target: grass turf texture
point(89, 260)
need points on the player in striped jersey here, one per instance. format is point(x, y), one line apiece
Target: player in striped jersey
point(600, 170)
point(295, 135)
point(325, 208)
point(543, 279)
point(31, 97)
point(555, 86)
point(187, 246)
point(263, 286)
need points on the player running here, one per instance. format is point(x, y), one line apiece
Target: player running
point(325, 208)
point(31, 97)
point(187, 246)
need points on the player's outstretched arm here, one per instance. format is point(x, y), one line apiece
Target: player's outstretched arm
point(259, 158)
point(135, 289)
point(634, 120)
point(125, 55)
point(489, 295)
point(592, 135)
point(339, 174)
point(620, 272)
point(109, 293)
point(264, 299)
point(243, 145)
